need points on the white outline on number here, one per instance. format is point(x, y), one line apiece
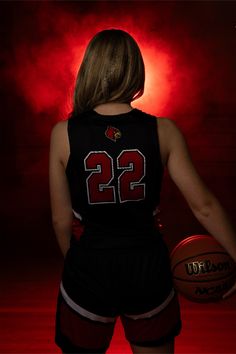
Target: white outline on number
point(101, 187)
point(131, 168)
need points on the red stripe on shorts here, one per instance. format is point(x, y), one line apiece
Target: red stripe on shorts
point(83, 332)
point(153, 328)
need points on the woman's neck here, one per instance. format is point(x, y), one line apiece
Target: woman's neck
point(112, 108)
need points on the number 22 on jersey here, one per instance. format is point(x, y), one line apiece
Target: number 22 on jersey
point(130, 169)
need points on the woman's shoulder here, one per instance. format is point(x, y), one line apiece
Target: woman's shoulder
point(167, 127)
point(166, 123)
point(163, 122)
point(59, 128)
point(167, 132)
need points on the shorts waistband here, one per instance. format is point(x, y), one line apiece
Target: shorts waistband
point(127, 242)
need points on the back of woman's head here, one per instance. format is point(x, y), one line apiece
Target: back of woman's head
point(112, 70)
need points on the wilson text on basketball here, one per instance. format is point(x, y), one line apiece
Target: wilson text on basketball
point(206, 266)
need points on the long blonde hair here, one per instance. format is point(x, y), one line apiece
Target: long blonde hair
point(112, 70)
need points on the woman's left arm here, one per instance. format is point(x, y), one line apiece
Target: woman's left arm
point(203, 203)
point(61, 207)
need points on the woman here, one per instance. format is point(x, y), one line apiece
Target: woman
point(106, 168)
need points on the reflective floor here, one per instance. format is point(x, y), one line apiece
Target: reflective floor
point(27, 308)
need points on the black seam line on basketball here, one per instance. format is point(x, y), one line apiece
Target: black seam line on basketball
point(187, 240)
point(200, 254)
point(204, 281)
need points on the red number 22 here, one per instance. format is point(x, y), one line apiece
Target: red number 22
point(101, 165)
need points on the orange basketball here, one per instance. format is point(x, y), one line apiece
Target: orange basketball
point(202, 269)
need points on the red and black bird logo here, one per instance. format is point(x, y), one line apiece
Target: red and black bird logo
point(112, 133)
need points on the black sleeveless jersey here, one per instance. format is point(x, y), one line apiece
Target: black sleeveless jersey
point(114, 171)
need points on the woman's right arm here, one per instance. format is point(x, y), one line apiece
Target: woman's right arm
point(203, 203)
point(61, 208)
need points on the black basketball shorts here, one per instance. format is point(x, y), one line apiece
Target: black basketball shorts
point(98, 285)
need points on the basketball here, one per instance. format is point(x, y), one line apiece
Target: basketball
point(202, 269)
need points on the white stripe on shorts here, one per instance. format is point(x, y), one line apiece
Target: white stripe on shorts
point(77, 215)
point(155, 310)
point(82, 311)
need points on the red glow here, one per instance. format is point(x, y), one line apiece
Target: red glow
point(48, 75)
point(45, 72)
point(157, 84)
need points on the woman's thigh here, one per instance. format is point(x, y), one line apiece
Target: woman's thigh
point(150, 306)
point(167, 348)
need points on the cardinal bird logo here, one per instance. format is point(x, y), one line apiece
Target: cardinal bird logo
point(113, 133)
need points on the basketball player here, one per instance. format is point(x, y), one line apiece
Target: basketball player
point(106, 166)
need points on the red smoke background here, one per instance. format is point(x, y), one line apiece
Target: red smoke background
point(189, 54)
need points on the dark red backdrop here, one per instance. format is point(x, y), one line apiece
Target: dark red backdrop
point(189, 52)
